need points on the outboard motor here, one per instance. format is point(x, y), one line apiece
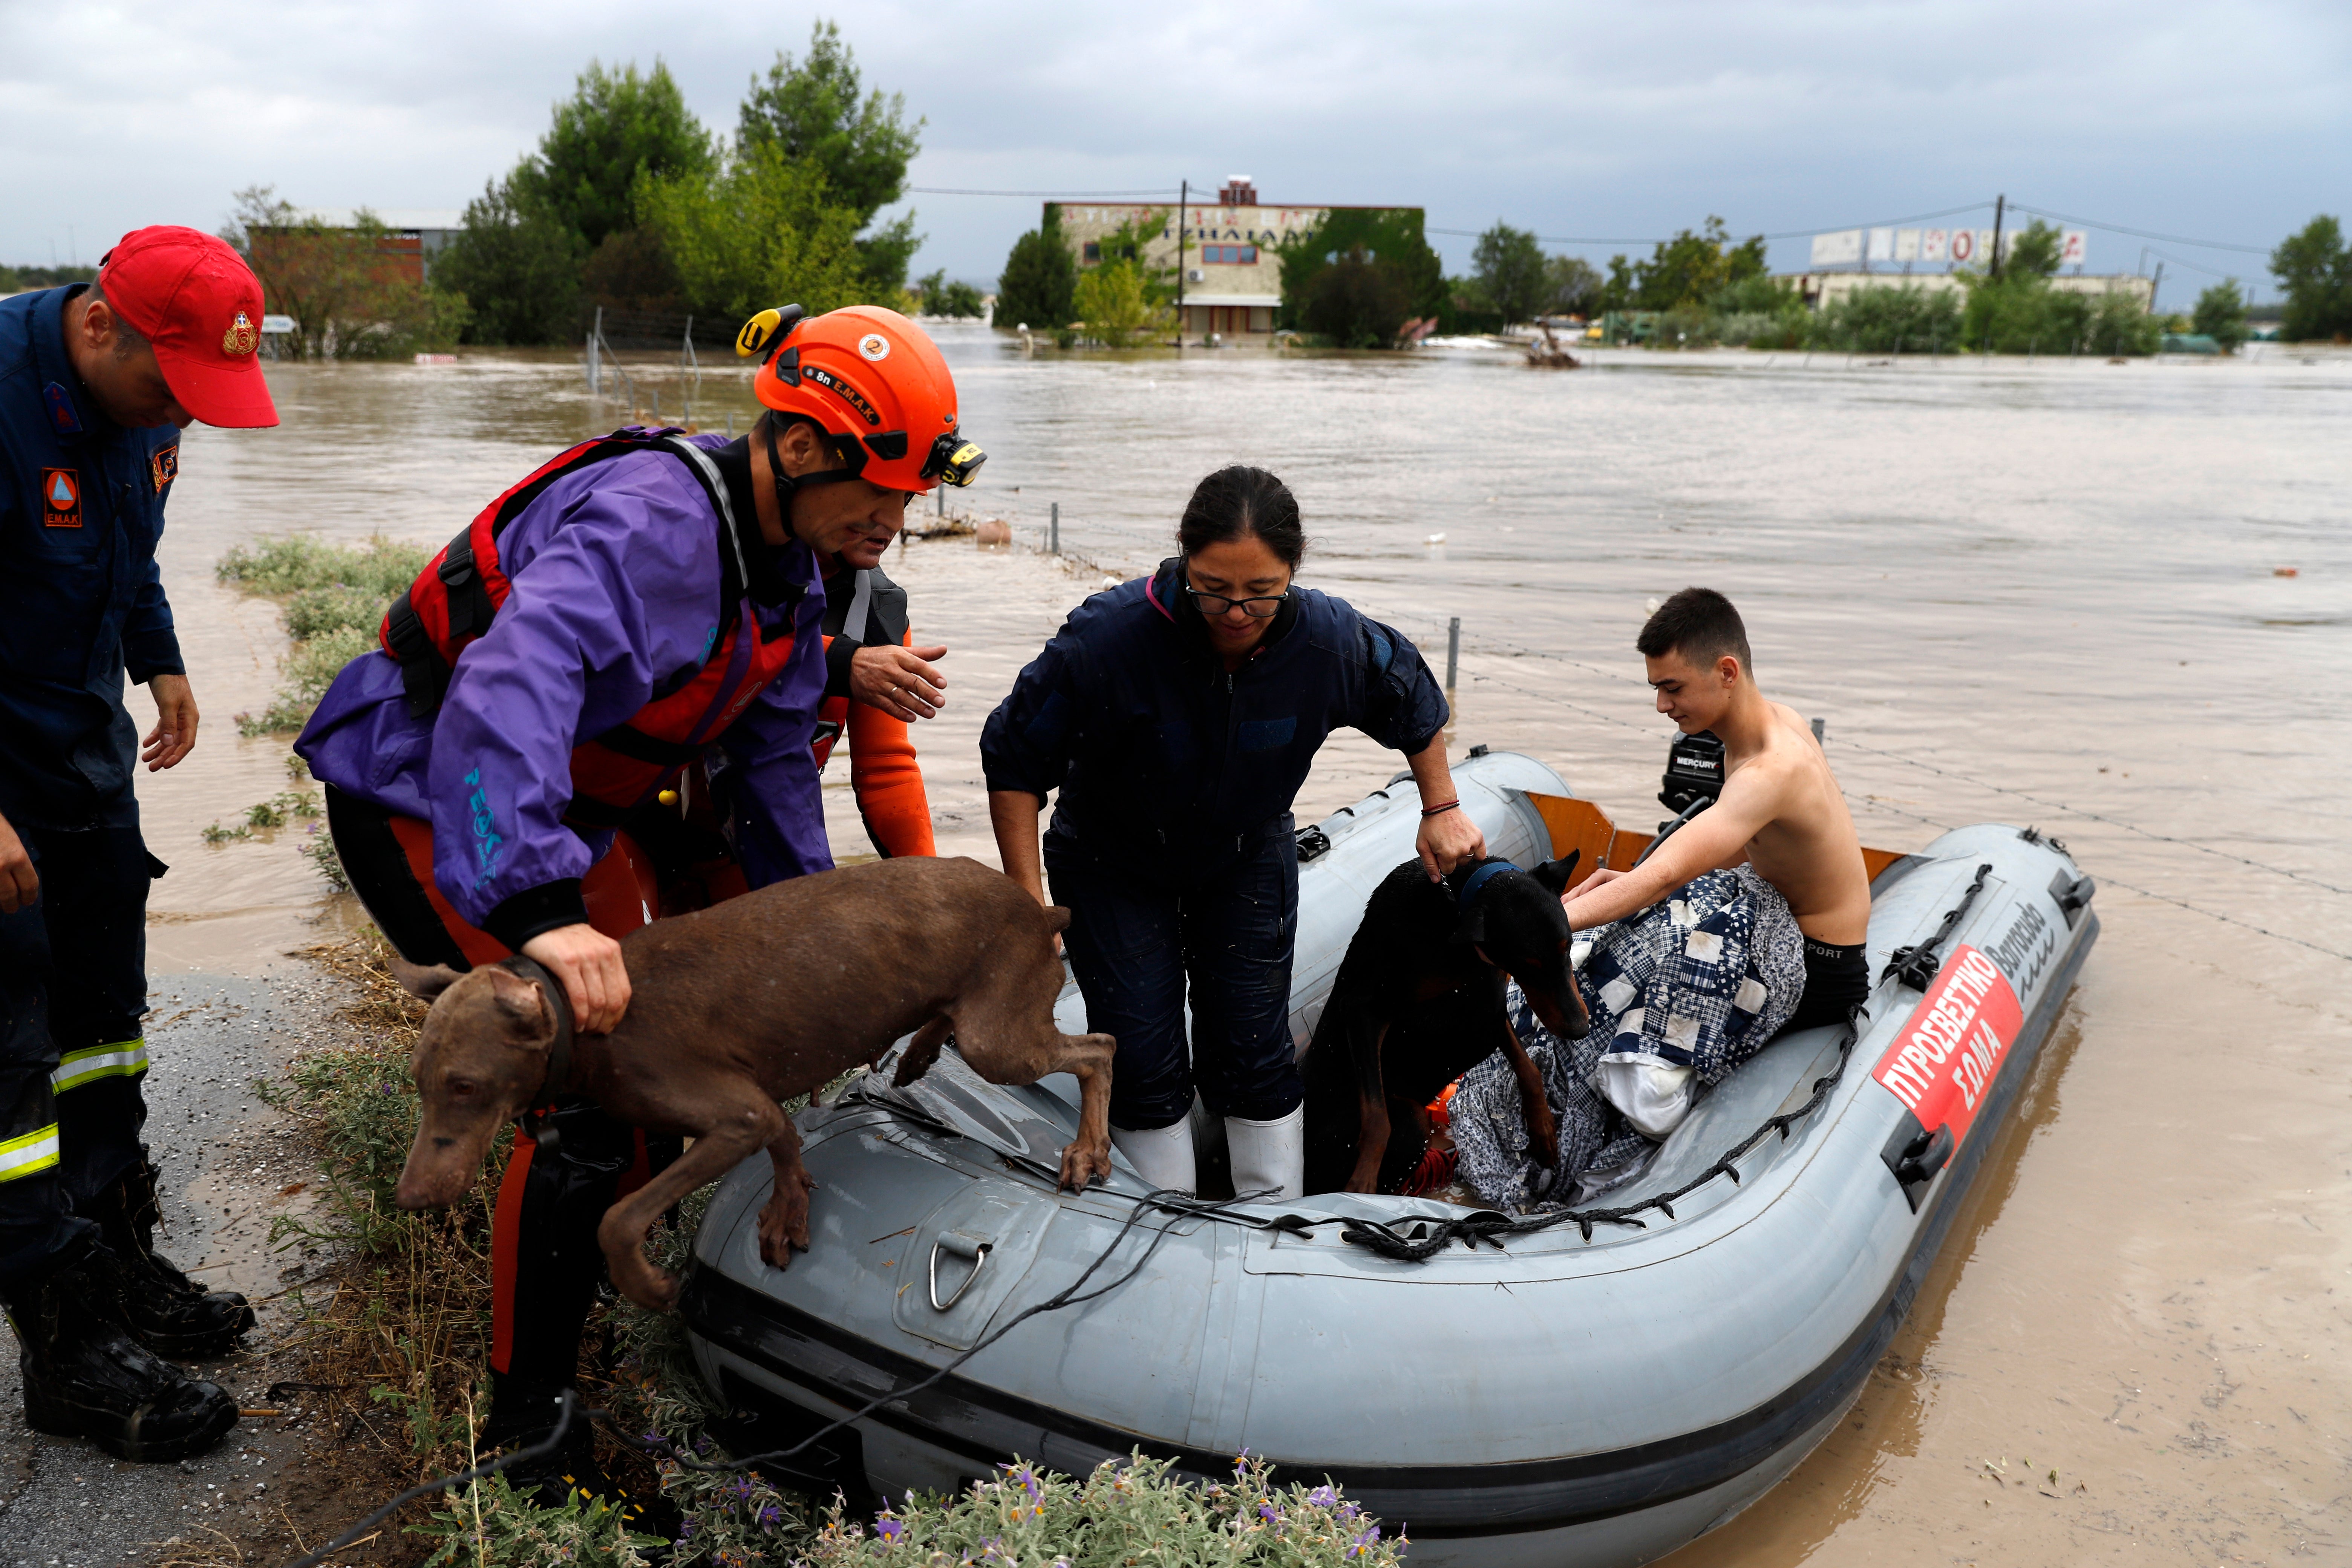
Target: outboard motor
point(1694, 776)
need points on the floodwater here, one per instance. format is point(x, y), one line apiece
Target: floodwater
point(2109, 600)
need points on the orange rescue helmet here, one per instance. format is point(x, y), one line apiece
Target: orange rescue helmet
point(872, 381)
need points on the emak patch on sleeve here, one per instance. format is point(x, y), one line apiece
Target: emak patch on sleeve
point(166, 465)
point(60, 497)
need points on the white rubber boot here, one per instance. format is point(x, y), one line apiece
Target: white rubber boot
point(1160, 1155)
point(1269, 1157)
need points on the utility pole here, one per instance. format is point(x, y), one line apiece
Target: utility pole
point(1183, 198)
point(2152, 287)
point(1999, 203)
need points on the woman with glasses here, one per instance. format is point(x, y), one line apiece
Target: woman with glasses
point(1178, 715)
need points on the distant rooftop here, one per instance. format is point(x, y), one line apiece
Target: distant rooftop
point(390, 217)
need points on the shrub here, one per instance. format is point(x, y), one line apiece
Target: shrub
point(334, 596)
point(1889, 320)
point(1123, 1514)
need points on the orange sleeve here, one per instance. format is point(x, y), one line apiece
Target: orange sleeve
point(888, 781)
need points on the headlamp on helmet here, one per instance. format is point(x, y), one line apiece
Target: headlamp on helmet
point(954, 460)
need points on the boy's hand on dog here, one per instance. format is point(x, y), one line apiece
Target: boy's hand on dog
point(589, 965)
point(1446, 841)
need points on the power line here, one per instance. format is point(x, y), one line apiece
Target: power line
point(2142, 233)
point(1041, 196)
point(1792, 234)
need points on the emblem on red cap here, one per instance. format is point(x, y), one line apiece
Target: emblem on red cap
point(241, 338)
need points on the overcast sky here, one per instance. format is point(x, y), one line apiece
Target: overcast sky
point(2225, 122)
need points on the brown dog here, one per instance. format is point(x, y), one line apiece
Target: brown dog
point(750, 1002)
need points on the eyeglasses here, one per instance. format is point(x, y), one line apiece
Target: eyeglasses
point(1262, 607)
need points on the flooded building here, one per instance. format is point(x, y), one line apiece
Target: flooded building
point(1822, 290)
point(1227, 253)
point(405, 246)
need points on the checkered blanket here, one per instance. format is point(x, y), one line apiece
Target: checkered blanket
point(1680, 994)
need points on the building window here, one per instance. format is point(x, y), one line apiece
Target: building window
point(1239, 255)
point(1090, 252)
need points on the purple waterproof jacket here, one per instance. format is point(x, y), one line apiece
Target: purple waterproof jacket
point(616, 579)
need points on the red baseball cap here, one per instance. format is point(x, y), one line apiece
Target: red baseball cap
point(198, 303)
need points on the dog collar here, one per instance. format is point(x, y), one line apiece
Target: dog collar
point(1479, 878)
point(559, 1056)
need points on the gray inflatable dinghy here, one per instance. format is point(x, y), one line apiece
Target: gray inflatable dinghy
point(1584, 1393)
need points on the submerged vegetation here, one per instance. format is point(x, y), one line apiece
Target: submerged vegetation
point(332, 596)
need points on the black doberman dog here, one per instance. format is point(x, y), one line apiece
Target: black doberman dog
point(1418, 1002)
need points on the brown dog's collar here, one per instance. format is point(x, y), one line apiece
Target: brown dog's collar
point(559, 1055)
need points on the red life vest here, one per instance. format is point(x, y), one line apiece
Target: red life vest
point(453, 601)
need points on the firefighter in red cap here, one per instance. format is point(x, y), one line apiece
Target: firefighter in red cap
point(97, 381)
point(518, 774)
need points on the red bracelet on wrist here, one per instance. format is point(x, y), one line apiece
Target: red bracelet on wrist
point(1439, 809)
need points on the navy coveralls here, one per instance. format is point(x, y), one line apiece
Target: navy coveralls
point(81, 508)
point(1171, 842)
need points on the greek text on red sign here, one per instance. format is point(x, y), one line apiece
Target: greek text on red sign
point(1947, 1059)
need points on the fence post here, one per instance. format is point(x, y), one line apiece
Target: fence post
point(1054, 535)
point(1452, 654)
point(595, 339)
point(942, 490)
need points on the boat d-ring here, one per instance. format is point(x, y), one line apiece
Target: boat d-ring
point(963, 1245)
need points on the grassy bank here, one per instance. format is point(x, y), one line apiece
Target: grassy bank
point(397, 1339)
point(332, 597)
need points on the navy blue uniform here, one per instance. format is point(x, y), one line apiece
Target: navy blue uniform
point(81, 510)
point(1171, 839)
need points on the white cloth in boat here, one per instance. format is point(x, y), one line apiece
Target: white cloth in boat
point(1680, 994)
point(1688, 989)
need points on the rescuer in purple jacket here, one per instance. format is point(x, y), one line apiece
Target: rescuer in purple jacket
point(518, 770)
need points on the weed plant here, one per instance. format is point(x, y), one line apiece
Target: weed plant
point(332, 597)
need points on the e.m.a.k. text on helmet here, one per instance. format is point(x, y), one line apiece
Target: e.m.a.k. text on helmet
point(872, 381)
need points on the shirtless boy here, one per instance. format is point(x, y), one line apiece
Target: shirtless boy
point(1781, 810)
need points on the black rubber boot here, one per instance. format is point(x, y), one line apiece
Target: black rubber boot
point(165, 1309)
point(522, 1413)
point(85, 1376)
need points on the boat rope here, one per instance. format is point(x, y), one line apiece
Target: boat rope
point(1433, 1236)
point(1916, 965)
point(1877, 804)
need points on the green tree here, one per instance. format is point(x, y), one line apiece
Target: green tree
point(941, 298)
point(1116, 305)
point(2220, 315)
point(618, 127)
point(518, 268)
point(2315, 269)
point(2033, 251)
point(763, 230)
point(816, 109)
point(348, 300)
point(1691, 269)
point(1388, 239)
point(1571, 286)
point(1039, 285)
point(1356, 303)
point(1508, 267)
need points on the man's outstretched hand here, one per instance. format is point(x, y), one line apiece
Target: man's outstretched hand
point(588, 964)
point(901, 681)
point(20, 884)
point(174, 734)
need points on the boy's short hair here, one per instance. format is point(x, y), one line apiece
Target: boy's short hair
point(1702, 624)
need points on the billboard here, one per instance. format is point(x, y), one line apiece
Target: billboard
point(1935, 245)
point(1907, 244)
point(1882, 245)
point(1837, 249)
point(2074, 248)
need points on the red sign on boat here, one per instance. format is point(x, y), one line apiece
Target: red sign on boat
point(1943, 1064)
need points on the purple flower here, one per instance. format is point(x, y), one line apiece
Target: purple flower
point(1362, 1545)
point(1324, 1497)
point(889, 1527)
point(1269, 1512)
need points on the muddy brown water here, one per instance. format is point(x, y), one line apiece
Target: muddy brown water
point(2043, 592)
